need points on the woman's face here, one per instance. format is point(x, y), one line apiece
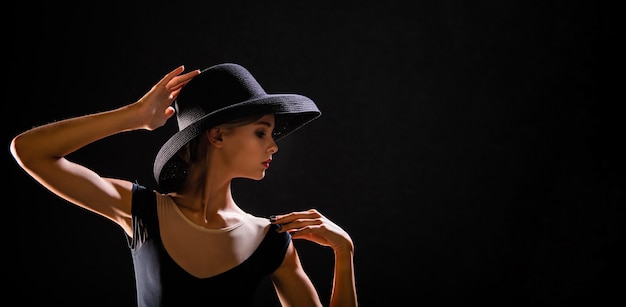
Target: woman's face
point(248, 149)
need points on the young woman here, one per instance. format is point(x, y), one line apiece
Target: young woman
point(190, 241)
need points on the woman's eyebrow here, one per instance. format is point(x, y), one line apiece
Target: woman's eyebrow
point(264, 123)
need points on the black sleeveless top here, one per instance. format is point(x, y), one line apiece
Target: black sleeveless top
point(162, 282)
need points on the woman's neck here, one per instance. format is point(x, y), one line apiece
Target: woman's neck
point(211, 206)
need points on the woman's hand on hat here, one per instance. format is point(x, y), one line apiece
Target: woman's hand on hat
point(313, 226)
point(155, 107)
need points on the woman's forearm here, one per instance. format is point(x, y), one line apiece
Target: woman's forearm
point(58, 139)
point(344, 287)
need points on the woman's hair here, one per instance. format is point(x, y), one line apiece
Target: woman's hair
point(191, 153)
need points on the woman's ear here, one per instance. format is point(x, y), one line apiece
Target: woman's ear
point(215, 136)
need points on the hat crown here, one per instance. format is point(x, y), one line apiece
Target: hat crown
point(215, 88)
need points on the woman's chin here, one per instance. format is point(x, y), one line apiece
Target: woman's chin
point(257, 177)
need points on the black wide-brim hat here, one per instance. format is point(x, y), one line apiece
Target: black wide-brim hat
point(219, 94)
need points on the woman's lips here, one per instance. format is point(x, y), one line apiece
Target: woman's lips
point(266, 164)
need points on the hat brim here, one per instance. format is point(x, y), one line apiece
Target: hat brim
point(292, 112)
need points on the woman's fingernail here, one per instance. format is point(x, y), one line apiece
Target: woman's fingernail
point(272, 218)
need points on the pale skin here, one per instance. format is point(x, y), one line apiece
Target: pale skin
point(230, 153)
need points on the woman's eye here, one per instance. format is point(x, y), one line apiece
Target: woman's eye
point(260, 134)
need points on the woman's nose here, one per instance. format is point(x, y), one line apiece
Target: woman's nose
point(273, 148)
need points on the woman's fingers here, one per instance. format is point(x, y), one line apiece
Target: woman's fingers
point(290, 217)
point(300, 223)
point(311, 225)
point(156, 104)
point(170, 75)
point(177, 82)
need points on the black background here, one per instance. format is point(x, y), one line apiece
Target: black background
point(471, 149)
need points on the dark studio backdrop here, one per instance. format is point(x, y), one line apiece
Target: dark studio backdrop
point(471, 149)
